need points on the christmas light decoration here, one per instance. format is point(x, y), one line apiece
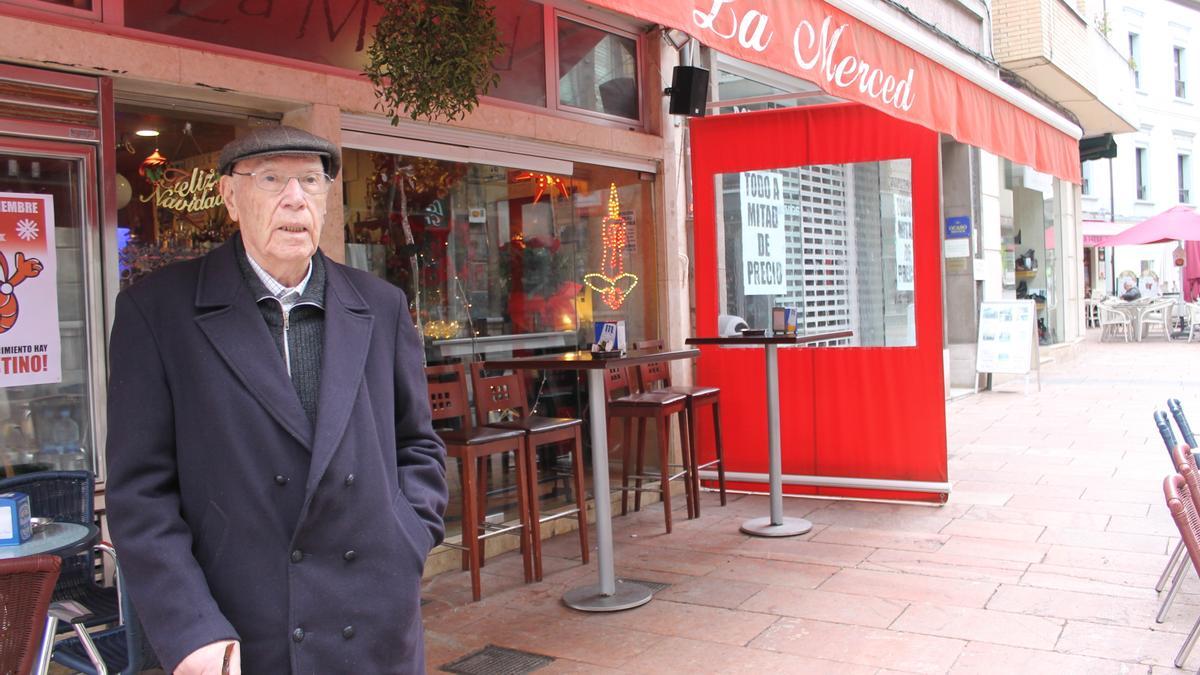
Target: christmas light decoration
point(544, 182)
point(612, 282)
point(153, 167)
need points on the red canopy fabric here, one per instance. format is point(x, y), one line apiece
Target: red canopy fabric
point(846, 57)
point(1178, 223)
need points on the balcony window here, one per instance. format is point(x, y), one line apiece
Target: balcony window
point(1184, 165)
point(1142, 172)
point(1180, 72)
point(1135, 58)
point(1086, 170)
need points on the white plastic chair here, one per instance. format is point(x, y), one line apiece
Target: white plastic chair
point(1158, 314)
point(1193, 315)
point(1113, 322)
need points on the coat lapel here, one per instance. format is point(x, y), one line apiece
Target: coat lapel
point(235, 327)
point(348, 323)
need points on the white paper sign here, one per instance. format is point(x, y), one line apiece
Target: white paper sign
point(1006, 330)
point(30, 350)
point(764, 247)
point(903, 214)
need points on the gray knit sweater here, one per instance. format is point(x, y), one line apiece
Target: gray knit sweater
point(305, 328)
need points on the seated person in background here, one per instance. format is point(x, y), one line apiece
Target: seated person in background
point(1131, 292)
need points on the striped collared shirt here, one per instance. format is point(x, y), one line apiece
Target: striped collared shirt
point(287, 296)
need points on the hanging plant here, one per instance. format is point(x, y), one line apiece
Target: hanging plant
point(433, 58)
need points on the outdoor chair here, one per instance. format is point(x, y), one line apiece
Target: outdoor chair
point(1185, 429)
point(26, 585)
point(67, 497)
point(1193, 317)
point(1157, 314)
point(1185, 467)
point(656, 376)
point(1114, 322)
point(639, 408)
point(122, 649)
point(1168, 438)
point(505, 394)
point(1180, 495)
point(473, 447)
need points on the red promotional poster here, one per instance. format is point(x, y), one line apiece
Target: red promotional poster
point(30, 351)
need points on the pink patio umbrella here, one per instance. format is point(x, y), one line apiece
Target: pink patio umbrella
point(1178, 223)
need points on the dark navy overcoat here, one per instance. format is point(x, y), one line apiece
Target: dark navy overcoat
point(233, 515)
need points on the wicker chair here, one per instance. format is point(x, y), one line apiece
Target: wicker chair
point(1181, 455)
point(25, 587)
point(67, 497)
point(1181, 502)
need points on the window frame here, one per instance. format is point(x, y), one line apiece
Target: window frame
point(1179, 69)
point(96, 13)
point(1135, 52)
point(1086, 188)
point(553, 75)
point(1141, 169)
point(1183, 168)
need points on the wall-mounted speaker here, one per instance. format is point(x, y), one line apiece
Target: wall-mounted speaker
point(689, 91)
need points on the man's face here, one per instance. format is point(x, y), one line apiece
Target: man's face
point(281, 231)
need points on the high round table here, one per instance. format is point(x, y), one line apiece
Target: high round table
point(611, 594)
point(774, 525)
point(60, 539)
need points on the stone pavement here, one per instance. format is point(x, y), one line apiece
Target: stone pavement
point(1043, 560)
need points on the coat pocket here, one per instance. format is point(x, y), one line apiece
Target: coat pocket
point(209, 538)
point(412, 526)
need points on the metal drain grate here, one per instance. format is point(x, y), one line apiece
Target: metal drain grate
point(654, 586)
point(493, 660)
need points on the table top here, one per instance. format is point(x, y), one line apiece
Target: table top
point(769, 340)
point(580, 360)
point(55, 539)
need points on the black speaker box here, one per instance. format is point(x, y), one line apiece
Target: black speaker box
point(689, 91)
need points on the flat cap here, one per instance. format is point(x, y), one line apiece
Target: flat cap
point(279, 140)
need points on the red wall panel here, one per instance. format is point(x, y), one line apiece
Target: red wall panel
point(870, 412)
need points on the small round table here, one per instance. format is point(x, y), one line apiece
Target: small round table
point(61, 539)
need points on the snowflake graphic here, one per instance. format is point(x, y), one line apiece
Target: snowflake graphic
point(27, 229)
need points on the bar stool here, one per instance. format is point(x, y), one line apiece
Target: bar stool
point(650, 377)
point(472, 447)
point(505, 394)
point(642, 407)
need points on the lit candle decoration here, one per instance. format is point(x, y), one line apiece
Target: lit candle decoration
point(612, 282)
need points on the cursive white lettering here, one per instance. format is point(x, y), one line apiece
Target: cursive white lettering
point(705, 21)
point(760, 22)
point(819, 52)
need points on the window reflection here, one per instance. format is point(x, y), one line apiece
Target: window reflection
point(597, 70)
point(834, 242)
point(522, 65)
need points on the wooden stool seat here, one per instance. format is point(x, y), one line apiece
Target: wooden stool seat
point(505, 395)
point(656, 377)
point(473, 447)
point(477, 435)
point(647, 399)
point(538, 424)
point(637, 408)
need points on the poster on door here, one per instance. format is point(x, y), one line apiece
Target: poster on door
point(30, 349)
point(903, 211)
point(764, 247)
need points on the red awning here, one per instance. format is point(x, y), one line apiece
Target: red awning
point(853, 60)
point(1096, 231)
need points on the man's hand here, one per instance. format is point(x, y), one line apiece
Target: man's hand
point(211, 659)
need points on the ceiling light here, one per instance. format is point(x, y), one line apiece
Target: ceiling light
point(148, 133)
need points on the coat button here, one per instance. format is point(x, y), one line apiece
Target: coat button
point(297, 556)
point(349, 555)
point(349, 480)
point(298, 635)
point(281, 479)
point(348, 632)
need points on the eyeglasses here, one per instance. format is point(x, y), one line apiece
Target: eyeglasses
point(313, 182)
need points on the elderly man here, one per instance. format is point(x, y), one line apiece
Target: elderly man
point(274, 482)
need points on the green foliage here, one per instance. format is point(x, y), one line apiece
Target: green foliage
point(433, 58)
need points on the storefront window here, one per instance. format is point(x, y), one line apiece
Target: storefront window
point(597, 70)
point(45, 368)
point(1028, 227)
point(169, 208)
point(834, 242)
point(507, 261)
